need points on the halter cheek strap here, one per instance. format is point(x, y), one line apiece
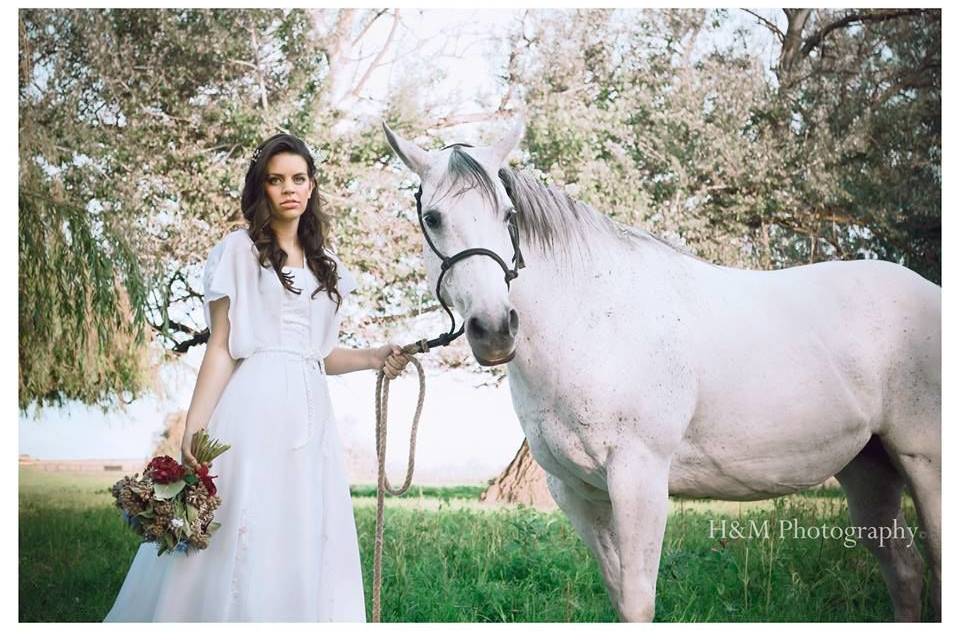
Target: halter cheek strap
point(447, 262)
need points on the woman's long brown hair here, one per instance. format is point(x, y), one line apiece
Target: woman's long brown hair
point(314, 224)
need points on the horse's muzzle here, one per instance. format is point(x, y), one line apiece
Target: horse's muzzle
point(492, 363)
point(492, 342)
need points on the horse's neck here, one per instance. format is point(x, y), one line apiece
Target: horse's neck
point(552, 288)
point(588, 297)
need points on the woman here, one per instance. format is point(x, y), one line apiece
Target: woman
point(287, 548)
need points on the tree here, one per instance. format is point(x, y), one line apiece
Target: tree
point(522, 482)
point(135, 132)
point(832, 153)
point(135, 128)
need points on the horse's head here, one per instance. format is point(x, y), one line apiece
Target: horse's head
point(465, 207)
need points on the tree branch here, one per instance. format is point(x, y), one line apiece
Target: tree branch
point(197, 337)
point(390, 319)
point(773, 28)
point(256, 65)
point(242, 63)
point(811, 43)
point(355, 92)
point(332, 43)
point(367, 27)
point(916, 80)
point(466, 118)
point(792, 42)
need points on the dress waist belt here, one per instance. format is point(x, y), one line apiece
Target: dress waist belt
point(308, 357)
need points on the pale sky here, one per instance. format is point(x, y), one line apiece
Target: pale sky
point(466, 434)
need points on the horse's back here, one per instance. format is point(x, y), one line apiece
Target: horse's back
point(892, 312)
point(896, 310)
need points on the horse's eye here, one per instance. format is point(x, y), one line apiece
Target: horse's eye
point(432, 220)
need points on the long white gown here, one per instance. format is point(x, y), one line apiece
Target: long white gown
point(287, 549)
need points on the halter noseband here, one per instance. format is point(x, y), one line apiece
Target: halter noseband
point(447, 262)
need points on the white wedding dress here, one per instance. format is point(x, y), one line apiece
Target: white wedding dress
point(287, 549)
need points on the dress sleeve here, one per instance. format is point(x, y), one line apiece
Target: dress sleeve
point(219, 279)
point(254, 311)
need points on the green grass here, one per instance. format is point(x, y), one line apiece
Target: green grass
point(448, 558)
point(471, 492)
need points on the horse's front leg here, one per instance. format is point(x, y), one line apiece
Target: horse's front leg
point(637, 482)
point(592, 518)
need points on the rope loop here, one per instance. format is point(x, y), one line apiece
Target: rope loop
point(383, 484)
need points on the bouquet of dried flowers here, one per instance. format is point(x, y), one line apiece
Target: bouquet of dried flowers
point(171, 504)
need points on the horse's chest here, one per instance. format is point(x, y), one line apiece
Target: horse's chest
point(566, 445)
point(566, 454)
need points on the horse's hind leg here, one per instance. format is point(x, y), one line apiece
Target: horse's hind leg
point(923, 473)
point(915, 450)
point(873, 487)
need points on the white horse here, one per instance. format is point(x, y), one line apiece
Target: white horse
point(639, 371)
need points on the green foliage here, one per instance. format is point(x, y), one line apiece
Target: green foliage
point(204, 448)
point(446, 493)
point(168, 491)
point(82, 298)
point(657, 120)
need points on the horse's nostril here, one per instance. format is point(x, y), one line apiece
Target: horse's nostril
point(514, 322)
point(475, 328)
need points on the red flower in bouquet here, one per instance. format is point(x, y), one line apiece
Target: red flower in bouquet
point(203, 473)
point(164, 470)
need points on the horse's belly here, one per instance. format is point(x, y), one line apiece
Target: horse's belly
point(732, 466)
point(776, 413)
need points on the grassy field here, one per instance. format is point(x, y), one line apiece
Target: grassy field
point(448, 558)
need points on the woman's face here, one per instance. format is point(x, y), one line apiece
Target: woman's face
point(288, 186)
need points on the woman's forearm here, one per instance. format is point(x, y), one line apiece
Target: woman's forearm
point(344, 360)
point(215, 371)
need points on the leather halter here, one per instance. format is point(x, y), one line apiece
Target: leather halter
point(447, 262)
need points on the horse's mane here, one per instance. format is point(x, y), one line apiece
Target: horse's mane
point(546, 214)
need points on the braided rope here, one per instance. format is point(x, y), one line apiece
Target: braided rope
point(383, 485)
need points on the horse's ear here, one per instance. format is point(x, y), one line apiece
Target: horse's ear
point(413, 156)
point(509, 142)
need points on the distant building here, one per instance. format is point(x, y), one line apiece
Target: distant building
point(89, 466)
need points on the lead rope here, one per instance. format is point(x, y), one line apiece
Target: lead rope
point(383, 485)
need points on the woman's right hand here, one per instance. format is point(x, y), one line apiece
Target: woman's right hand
point(186, 457)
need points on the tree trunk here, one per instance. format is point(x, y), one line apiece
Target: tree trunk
point(522, 482)
point(168, 442)
point(792, 48)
